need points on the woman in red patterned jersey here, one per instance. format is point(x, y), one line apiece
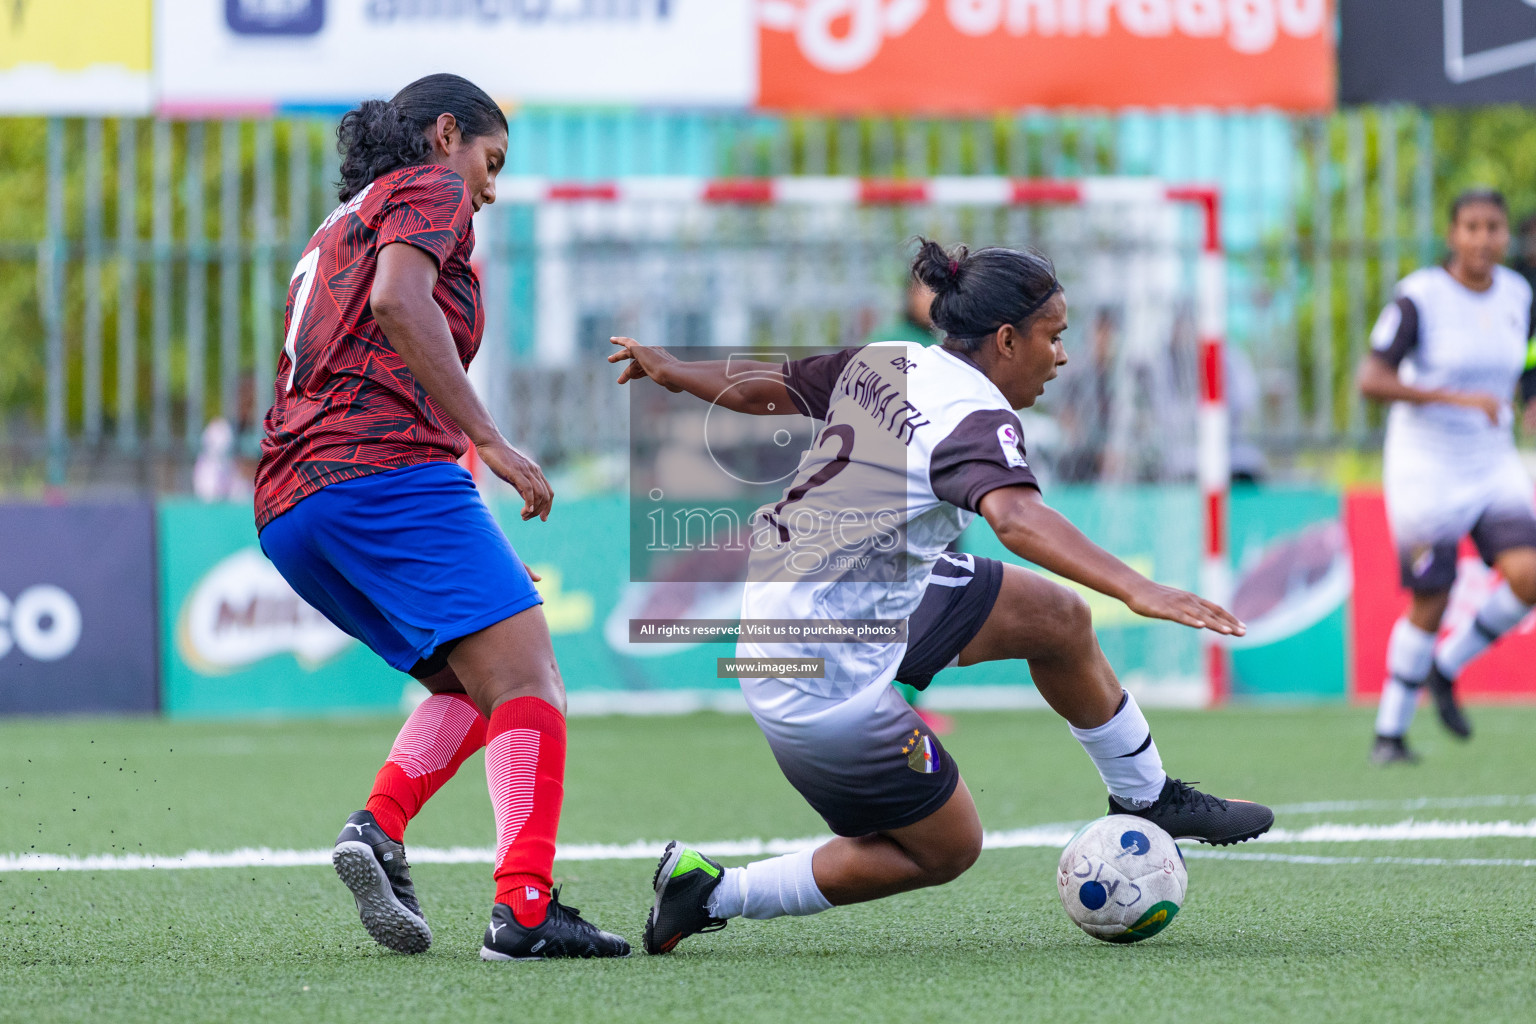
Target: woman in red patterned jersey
point(361, 505)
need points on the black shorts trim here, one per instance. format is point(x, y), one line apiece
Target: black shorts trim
point(949, 781)
point(955, 605)
point(1497, 532)
point(435, 662)
point(1430, 567)
point(866, 764)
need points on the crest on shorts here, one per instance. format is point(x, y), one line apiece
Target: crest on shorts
point(922, 755)
point(1421, 557)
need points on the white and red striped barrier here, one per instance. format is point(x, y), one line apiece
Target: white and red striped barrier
point(1214, 465)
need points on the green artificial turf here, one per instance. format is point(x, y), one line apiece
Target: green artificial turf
point(1256, 941)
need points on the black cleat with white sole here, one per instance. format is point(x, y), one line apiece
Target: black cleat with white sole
point(374, 867)
point(563, 934)
point(1186, 813)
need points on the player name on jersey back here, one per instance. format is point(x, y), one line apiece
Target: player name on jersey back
point(913, 437)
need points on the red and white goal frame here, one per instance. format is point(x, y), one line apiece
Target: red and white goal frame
point(1212, 441)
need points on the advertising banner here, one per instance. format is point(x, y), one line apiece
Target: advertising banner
point(582, 553)
point(236, 639)
point(253, 54)
point(953, 56)
point(1463, 52)
point(1159, 661)
point(77, 608)
point(1503, 673)
point(75, 57)
point(1291, 585)
point(1292, 582)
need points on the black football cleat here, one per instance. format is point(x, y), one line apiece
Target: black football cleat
point(563, 934)
point(1443, 690)
point(374, 867)
point(1392, 750)
point(683, 881)
point(1186, 813)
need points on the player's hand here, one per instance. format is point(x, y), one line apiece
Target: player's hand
point(1155, 601)
point(522, 473)
point(1528, 420)
point(643, 361)
point(1489, 405)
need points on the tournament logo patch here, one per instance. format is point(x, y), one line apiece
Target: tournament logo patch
point(1008, 440)
point(922, 754)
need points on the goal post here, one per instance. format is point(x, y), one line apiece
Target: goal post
point(790, 261)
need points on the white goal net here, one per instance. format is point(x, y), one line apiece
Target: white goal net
point(1129, 441)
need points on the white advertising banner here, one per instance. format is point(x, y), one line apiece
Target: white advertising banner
point(215, 55)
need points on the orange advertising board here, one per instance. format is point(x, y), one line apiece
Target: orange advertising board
point(956, 56)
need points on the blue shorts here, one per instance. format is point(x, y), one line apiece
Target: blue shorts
point(407, 561)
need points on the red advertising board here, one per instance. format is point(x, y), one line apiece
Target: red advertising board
point(1506, 672)
point(953, 56)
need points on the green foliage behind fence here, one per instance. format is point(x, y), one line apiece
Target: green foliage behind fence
point(1361, 211)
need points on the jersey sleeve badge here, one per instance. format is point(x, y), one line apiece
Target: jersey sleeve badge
point(1008, 440)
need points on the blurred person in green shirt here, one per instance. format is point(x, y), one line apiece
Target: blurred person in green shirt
point(914, 323)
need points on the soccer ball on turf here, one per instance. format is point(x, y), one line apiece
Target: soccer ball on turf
point(1121, 878)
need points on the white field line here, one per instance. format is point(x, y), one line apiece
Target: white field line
point(1054, 835)
point(1421, 803)
point(1298, 858)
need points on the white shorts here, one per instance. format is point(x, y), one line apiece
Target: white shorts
point(1432, 503)
point(866, 763)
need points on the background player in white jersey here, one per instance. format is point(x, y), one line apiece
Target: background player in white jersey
point(1448, 354)
point(916, 441)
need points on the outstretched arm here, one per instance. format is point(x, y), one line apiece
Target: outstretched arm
point(740, 385)
point(1033, 530)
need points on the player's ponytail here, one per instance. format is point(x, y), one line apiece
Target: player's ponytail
point(975, 293)
point(379, 137)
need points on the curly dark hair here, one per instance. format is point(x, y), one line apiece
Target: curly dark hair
point(379, 136)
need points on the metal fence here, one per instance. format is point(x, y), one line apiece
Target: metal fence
point(155, 280)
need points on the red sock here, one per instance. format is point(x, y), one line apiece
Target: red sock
point(525, 769)
point(438, 737)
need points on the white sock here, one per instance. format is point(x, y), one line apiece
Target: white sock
point(1127, 759)
point(1409, 650)
point(769, 888)
point(1500, 613)
point(1395, 712)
